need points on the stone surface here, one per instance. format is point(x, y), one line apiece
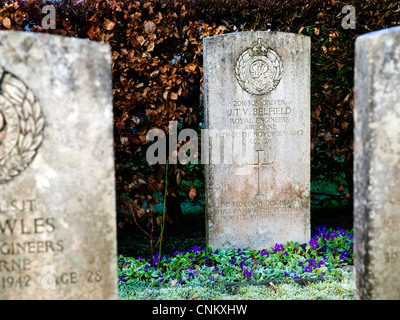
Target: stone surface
point(257, 92)
point(377, 165)
point(57, 194)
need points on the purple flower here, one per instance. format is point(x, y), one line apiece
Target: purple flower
point(247, 273)
point(311, 262)
point(233, 261)
point(121, 279)
point(195, 249)
point(146, 267)
point(320, 264)
point(278, 247)
point(323, 248)
point(308, 269)
point(215, 269)
point(264, 253)
point(140, 258)
point(190, 268)
point(286, 274)
point(345, 253)
point(313, 243)
point(295, 276)
point(191, 274)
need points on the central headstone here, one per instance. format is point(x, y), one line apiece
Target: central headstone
point(257, 117)
point(57, 194)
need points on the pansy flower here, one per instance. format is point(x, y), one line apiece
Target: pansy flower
point(247, 273)
point(308, 269)
point(313, 243)
point(278, 247)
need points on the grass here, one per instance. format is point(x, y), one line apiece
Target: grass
point(321, 290)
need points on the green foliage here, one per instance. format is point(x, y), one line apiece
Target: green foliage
point(325, 255)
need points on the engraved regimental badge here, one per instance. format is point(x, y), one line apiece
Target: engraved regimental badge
point(259, 69)
point(21, 126)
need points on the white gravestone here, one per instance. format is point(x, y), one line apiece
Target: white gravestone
point(57, 194)
point(257, 115)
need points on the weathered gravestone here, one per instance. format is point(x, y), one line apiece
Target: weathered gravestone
point(257, 108)
point(57, 198)
point(377, 165)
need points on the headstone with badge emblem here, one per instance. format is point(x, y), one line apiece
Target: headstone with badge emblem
point(257, 116)
point(57, 194)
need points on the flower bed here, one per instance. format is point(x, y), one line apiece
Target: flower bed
point(324, 255)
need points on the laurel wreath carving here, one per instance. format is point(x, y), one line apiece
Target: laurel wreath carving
point(242, 66)
point(31, 125)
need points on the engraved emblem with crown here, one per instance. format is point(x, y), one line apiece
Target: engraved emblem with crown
point(259, 69)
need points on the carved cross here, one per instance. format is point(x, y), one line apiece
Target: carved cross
point(259, 165)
